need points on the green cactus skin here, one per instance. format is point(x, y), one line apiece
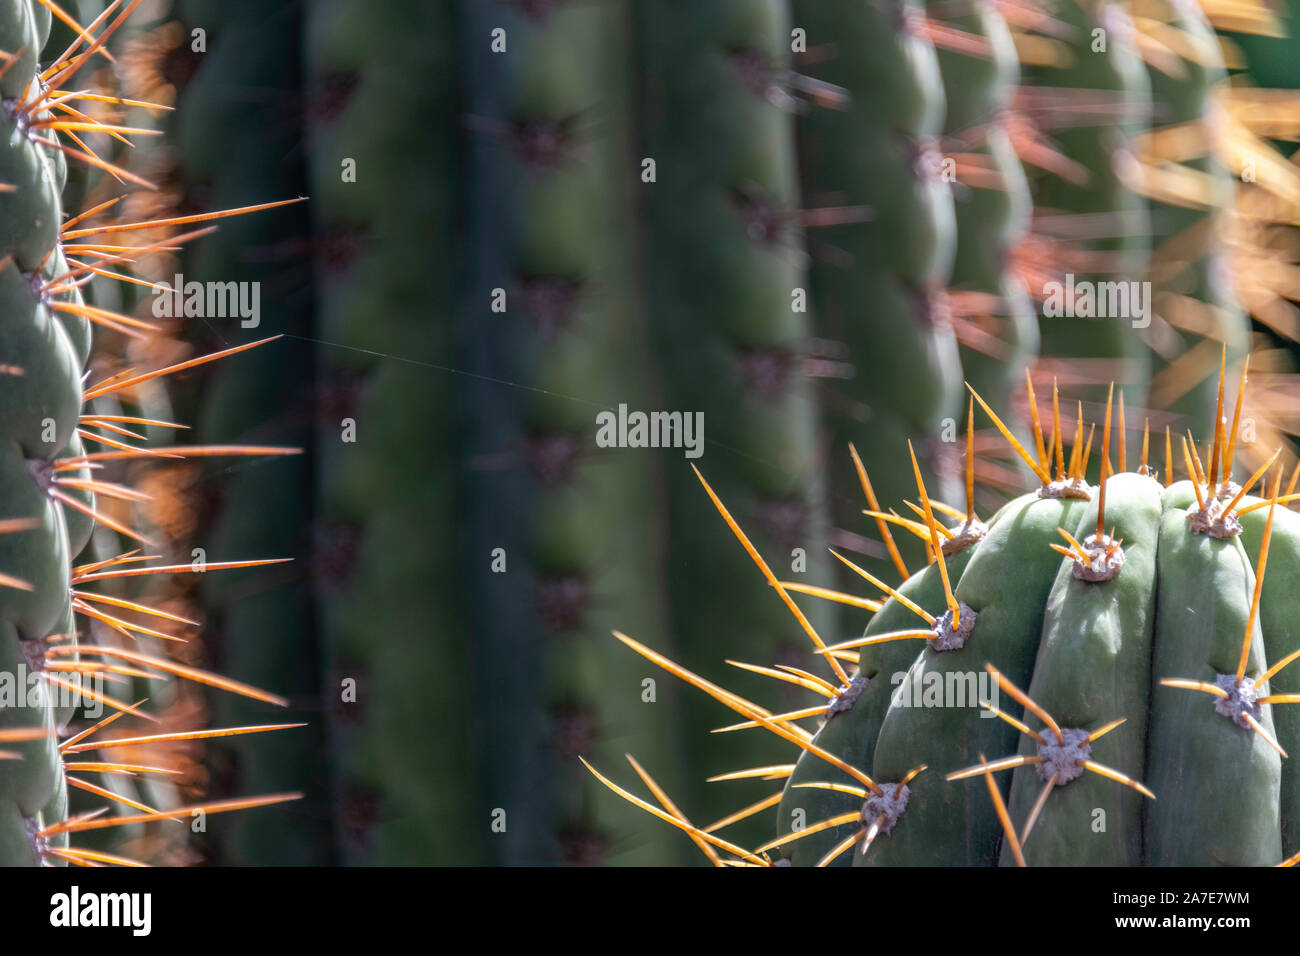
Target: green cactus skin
point(852, 740)
point(888, 307)
point(550, 194)
point(724, 261)
point(262, 621)
point(1232, 818)
point(1101, 149)
point(1006, 582)
point(1093, 664)
point(389, 603)
point(51, 348)
point(990, 221)
point(1179, 100)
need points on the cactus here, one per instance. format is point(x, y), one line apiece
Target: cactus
point(261, 619)
point(393, 625)
point(1136, 633)
point(992, 202)
point(553, 295)
point(885, 297)
point(56, 487)
point(44, 352)
point(545, 531)
point(1190, 273)
point(725, 270)
point(1095, 88)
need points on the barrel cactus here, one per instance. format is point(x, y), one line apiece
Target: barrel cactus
point(1106, 678)
point(64, 433)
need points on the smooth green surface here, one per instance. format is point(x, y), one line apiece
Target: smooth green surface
point(1218, 785)
point(1093, 666)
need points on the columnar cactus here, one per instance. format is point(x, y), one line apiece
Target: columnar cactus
point(1092, 99)
point(61, 433)
point(730, 328)
point(883, 296)
point(44, 352)
point(992, 201)
point(1191, 195)
point(387, 436)
point(558, 501)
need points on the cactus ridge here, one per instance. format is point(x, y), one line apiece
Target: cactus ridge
point(1137, 683)
point(1087, 207)
point(883, 294)
point(726, 257)
point(1190, 276)
point(993, 314)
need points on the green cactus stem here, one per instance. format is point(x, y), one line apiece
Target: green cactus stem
point(1191, 273)
point(730, 327)
point(883, 293)
point(1092, 99)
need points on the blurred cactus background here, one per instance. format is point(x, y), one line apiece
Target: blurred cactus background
point(785, 226)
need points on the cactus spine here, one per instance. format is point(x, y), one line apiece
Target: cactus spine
point(57, 624)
